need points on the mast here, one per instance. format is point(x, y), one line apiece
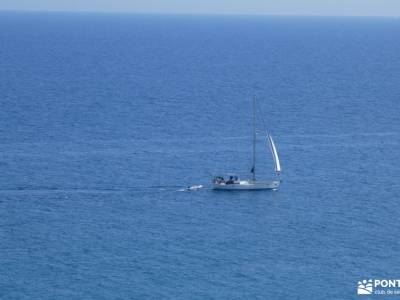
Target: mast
point(254, 139)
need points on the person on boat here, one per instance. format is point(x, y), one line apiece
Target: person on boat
point(230, 180)
point(219, 180)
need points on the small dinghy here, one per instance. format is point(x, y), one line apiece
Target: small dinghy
point(193, 188)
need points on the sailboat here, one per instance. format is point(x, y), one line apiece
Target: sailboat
point(234, 183)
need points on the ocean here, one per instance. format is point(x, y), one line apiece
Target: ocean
point(104, 118)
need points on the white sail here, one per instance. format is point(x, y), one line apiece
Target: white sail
point(274, 154)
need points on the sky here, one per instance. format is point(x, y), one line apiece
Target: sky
point(267, 7)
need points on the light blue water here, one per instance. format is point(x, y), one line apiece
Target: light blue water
point(105, 117)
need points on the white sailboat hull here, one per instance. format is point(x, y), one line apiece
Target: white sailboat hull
point(247, 185)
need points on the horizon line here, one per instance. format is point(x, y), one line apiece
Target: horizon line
point(194, 13)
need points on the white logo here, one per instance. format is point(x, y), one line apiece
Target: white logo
point(364, 287)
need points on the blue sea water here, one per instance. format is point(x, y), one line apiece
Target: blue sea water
point(103, 118)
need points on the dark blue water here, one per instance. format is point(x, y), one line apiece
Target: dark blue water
point(104, 118)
